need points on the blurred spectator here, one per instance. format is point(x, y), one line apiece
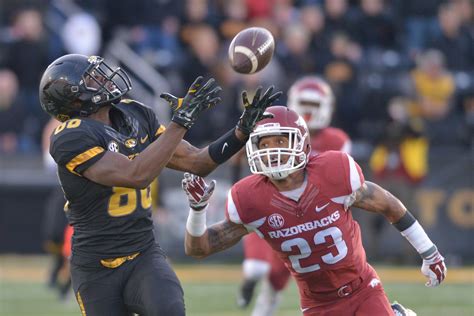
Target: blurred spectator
point(203, 44)
point(200, 12)
point(434, 90)
point(131, 13)
point(465, 10)
point(294, 54)
point(151, 26)
point(433, 86)
point(27, 56)
point(230, 108)
point(261, 8)
point(419, 19)
point(283, 13)
point(454, 42)
point(339, 68)
point(401, 153)
point(338, 17)
point(234, 17)
point(312, 18)
point(12, 113)
point(468, 107)
point(373, 27)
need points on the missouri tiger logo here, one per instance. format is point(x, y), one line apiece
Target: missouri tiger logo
point(131, 142)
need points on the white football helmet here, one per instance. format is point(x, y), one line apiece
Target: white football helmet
point(270, 161)
point(313, 99)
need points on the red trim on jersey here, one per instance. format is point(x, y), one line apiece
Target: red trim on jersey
point(67, 245)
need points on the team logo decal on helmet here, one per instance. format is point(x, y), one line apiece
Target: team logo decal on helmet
point(276, 221)
point(93, 59)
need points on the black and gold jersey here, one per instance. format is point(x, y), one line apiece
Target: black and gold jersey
point(108, 221)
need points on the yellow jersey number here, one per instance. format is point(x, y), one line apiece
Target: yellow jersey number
point(124, 201)
point(69, 124)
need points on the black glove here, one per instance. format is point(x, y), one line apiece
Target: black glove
point(199, 97)
point(253, 112)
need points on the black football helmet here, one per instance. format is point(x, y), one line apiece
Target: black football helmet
point(77, 85)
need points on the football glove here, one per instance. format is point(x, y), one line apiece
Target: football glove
point(197, 190)
point(434, 269)
point(400, 310)
point(199, 97)
point(253, 111)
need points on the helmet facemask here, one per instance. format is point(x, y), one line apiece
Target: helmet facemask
point(271, 161)
point(312, 98)
point(316, 111)
point(104, 84)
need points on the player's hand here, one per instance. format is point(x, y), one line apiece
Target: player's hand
point(253, 111)
point(434, 269)
point(199, 97)
point(197, 190)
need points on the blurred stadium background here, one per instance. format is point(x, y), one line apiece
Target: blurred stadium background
point(403, 75)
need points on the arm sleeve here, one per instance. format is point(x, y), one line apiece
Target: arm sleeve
point(76, 150)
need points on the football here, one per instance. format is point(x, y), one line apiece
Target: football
point(251, 50)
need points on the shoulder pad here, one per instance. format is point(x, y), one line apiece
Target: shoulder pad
point(73, 144)
point(340, 174)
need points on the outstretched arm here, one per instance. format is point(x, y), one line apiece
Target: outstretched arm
point(201, 241)
point(204, 161)
point(216, 238)
point(374, 198)
point(114, 169)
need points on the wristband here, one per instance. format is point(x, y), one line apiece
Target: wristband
point(417, 237)
point(183, 120)
point(196, 223)
point(406, 221)
point(225, 147)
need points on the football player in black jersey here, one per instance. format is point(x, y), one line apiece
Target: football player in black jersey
point(108, 151)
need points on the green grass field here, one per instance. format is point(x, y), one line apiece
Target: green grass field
point(210, 290)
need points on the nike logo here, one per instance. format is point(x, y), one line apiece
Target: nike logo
point(319, 209)
point(143, 139)
point(224, 146)
point(305, 309)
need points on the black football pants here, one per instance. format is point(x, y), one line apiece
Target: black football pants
point(146, 285)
